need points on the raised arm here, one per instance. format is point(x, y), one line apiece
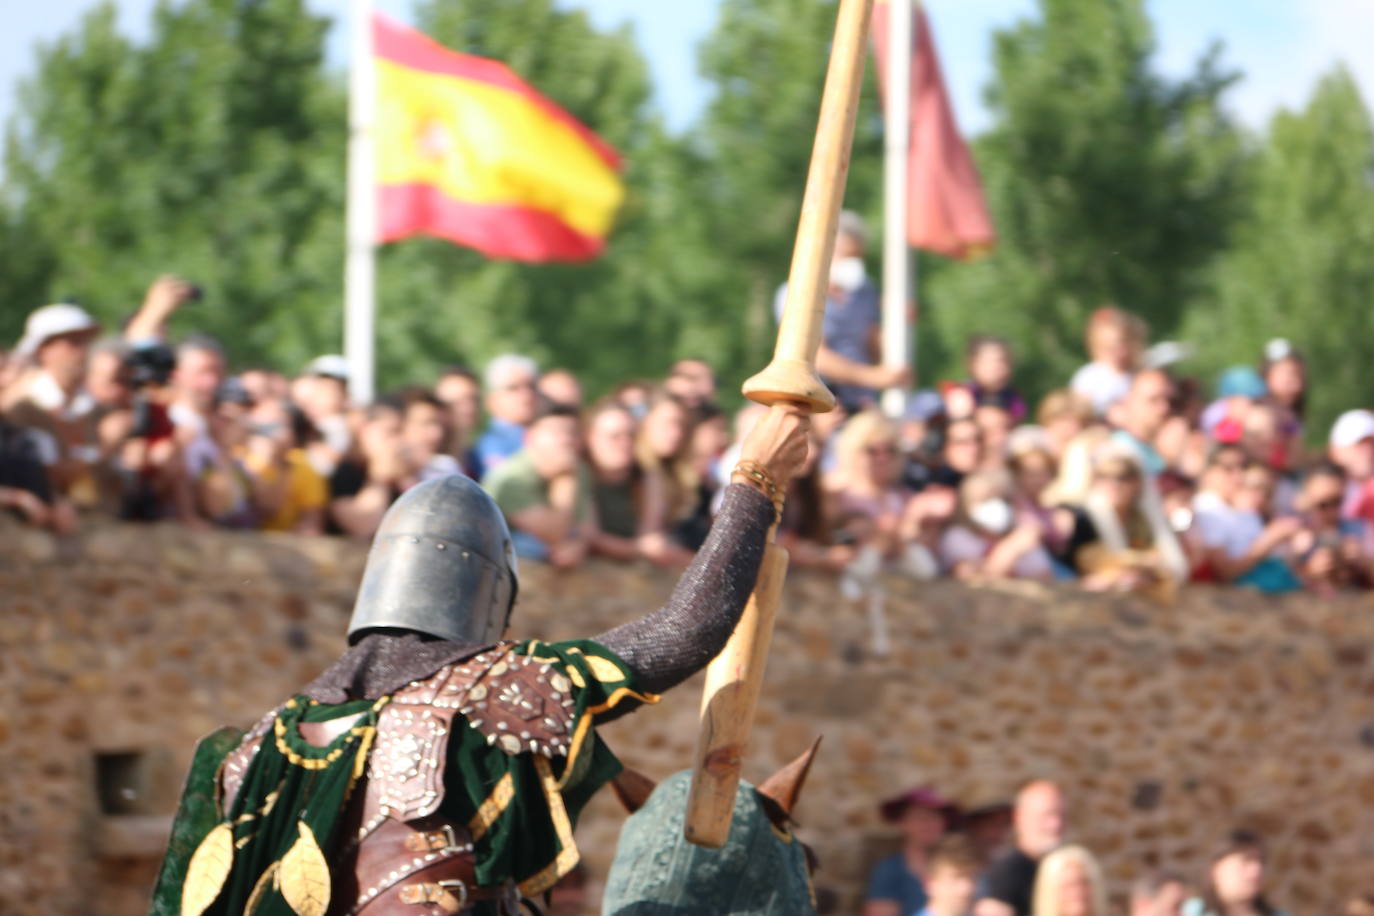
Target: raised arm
point(673, 643)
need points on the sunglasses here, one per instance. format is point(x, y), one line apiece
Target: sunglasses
point(1327, 505)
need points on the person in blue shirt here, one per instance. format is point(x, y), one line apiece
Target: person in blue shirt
point(852, 330)
point(896, 886)
point(512, 402)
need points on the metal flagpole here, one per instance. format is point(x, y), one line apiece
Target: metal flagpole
point(897, 263)
point(360, 281)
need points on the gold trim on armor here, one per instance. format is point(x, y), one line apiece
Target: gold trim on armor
point(568, 855)
point(491, 809)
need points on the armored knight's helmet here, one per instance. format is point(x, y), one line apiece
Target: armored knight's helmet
point(441, 563)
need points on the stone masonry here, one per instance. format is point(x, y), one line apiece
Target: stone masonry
point(120, 648)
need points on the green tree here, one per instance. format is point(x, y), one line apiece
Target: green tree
point(215, 151)
point(1107, 183)
point(1299, 266)
point(766, 61)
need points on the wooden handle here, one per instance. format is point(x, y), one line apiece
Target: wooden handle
point(791, 376)
point(733, 681)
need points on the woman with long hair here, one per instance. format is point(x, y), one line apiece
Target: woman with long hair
point(630, 500)
point(1234, 884)
point(663, 446)
point(1118, 537)
point(1069, 883)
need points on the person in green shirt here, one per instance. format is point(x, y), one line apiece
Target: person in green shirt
point(437, 767)
point(544, 491)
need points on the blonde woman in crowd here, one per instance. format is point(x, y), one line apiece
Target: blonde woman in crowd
point(1069, 883)
point(1116, 535)
point(664, 447)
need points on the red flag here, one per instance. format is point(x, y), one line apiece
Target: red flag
point(946, 212)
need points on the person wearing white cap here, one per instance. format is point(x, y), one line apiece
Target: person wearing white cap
point(1352, 448)
point(325, 403)
point(50, 399)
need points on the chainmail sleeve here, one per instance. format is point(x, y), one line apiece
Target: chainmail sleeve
point(673, 643)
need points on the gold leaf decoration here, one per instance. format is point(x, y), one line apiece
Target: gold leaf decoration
point(207, 870)
point(605, 670)
point(304, 875)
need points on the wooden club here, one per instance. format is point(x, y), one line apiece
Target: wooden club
point(734, 678)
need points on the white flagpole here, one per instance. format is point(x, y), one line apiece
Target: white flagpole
point(897, 274)
point(360, 270)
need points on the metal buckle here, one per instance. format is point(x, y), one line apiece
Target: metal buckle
point(450, 840)
point(462, 890)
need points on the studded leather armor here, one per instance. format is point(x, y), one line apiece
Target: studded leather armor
point(402, 857)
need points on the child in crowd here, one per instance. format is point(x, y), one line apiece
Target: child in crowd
point(951, 876)
point(1116, 340)
point(989, 365)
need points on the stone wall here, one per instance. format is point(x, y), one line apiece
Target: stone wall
point(1167, 725)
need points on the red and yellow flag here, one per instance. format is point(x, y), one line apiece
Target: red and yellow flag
point(469, 152)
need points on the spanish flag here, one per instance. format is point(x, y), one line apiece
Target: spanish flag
point(469, 152)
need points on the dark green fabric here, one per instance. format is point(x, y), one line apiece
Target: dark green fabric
point(197, 813)
point(521, 844)
point(279, 794)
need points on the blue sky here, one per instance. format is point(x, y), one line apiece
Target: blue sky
point(1281, 45)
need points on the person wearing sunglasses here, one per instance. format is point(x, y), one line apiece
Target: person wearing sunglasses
point(1328, 553)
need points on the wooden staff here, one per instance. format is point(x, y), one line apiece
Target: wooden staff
point(734, 678)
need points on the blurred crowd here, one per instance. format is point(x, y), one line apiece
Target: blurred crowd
point(1016, 858)
point(1130, 477)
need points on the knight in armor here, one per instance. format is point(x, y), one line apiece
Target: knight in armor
point(438, 767)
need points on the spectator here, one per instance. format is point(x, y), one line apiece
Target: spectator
point(264, 385)
point(1235, 880)
point(512, 403)
point(1160, 893)
point(425, 435)
point(1063, 415)
point(692, 381)
point(50, 398)
point(195, 382)
point(326, 407)
point(1352, 450)
point(1141, 415)
point(635, 395)
point(560, 386)
point(807, 526)
point(852, 326)
point(1229, 514)
point(866, 485)
point(1119, 539)
point(157, 482)
point(630, 502)
point(1237, 390)
point(1069, 883)
point(290, 494)
point(24, 485)
point(951, 876)
point(710, 441)
point(545, 492)
point(1284, 371)
point(1327, 552)
point(1038, 827)
point(995, 422)
point(1361, 905)
point(664, 447)
point(461, 392)
point(368, 481)
point(985, 541)
point(896, 886)
point(1115, 340)
point(989, 368)
point(224, 491)
point(987, 825)
point(107, 377)
point(1033, 471)
point(963, 453)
